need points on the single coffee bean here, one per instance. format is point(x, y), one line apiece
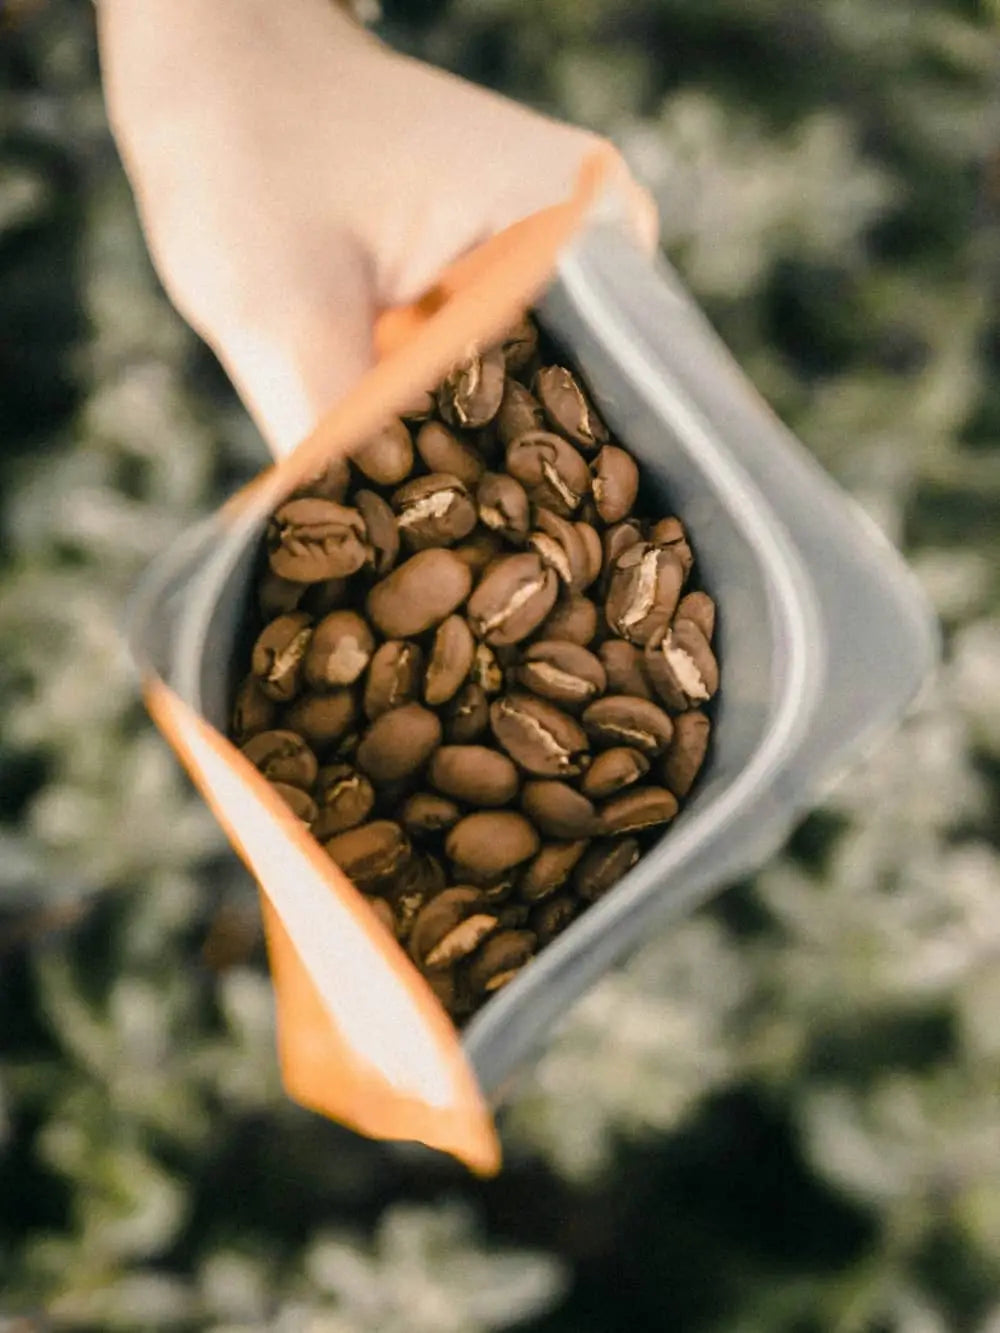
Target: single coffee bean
point(399, 742)
point(503, 506)
point(309, 540)
point(419, 407)
point(669, 532)
point(393, 677)
point(419, 594)
point(339, 650)
point(278, 655)
point(345, 797)
point(322, 719)
point(603, 865)
point(319, 599)
point(699, 608)
point(593, 550)
point(558, 810)
point(568, 408)
point(644, 588)
point(615, 484)
point(573, 618)
point(512, 599)
point(371, 852)
point(471, 393)
point(566, 673)
point(622, 662)
point(282, 756)
point(520, 411)
point(383, 533)
point(450, 662)
point(387, 457)
point(467, 717)
point(482, 549)
point(298, 801)
point(682, 666)
point(562, 547)
point(519, 345)
point(383, 913)
point(330, 483)
point(449, 928)
point(622, 719)
point(686, 752)
point(486, 846)
point(433, 511)
point(499, 960)
point(550, 869)
point(253, 711)
point(551, 918)
point(612, 770)
point(443, 451)
point(474, 774)
point(550, 470)
point(617, 539)
point(539, 737)
point(427, 812)
point(277, 596)
point(641, 808)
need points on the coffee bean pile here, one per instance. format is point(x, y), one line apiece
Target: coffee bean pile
point(479, 667)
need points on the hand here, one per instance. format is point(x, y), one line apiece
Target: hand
point(295, 177)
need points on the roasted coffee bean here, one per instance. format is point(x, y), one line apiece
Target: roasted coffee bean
point(449, 928)
point(330, 483)
point(539, 737)
point(436, 510)
point(615, 484)
point(499, 960)
point(298, 801)
point(550, 869)
point(419, 594)
point(558, 810)
point(427, 812)
point(450, 662)
point(644, 589)
point(520, 411)
point(641, 808)
point(563, 548)
point(309, 540)
point(387, 457)
point(512, 599)
point(482, 549)
point(371, 852)
point(486, 846)
point(503, 506)
point(253, 711)
point(573, 618)
point(399, 742)
point(686, 752)
point(474, 774)
point(616, 541)
point(681, 665)
point(519, 346)
point(393, 677)
point(471, 393)
point(277, 596)
point(612, 770)
point(551, 918)
point(322, 719)
point(278, 655)
point(282, 756)
point(383, 532)
point(603, 865)
point(568, 408)
point(669, 533)
point(623, 719)
point(622, 662)
point(339, 650)
point(345, 798)
point(383, 913)
point(486, 669)
point(699, 608)
point(319, 599)
point(566, 673)
point(550, 470)
point(442, 451)
point(467, 716)
point(593, 550)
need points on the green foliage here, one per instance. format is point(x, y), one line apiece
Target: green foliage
point(784, 1114)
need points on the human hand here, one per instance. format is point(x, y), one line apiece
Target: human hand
point(295, 177)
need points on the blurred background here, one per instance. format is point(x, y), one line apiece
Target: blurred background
point(784, 1114)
